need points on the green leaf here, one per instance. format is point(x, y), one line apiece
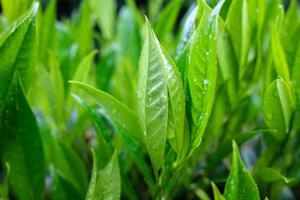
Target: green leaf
point(93, 182)
point(278, 107)
point(270, 175)
point(167, 19)
point(290, 22)
point(238, 25)
point(61, 188)
point(280, 62)
point(202, 74)
point(176, 107)
point(154, 7)
point(228, 64)
point(187, 31)
point(56, 91)
point(70, 167)
point(153, 97)
point(125, 73)
point(81, 75)
point(104, 13)
point(21, 146)
point(84, 29)
point(160, 80)
point(132, 145)
point(16, 54)
point(118, 112)
point(13, 9)
point(225, 148)
point(46, 31)
point(109, 181)
point(128, 35)
point(240, 184)
point(217, 194)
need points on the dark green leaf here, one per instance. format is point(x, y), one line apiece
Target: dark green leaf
point(21, 146)
point(61, 188)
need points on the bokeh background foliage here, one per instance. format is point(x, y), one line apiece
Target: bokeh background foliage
point(198, 100)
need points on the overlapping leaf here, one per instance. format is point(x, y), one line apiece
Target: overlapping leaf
point(160, 117)
point(202, 74)
point(279, 105)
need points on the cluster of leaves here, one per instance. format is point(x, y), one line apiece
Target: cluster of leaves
point(109, 104)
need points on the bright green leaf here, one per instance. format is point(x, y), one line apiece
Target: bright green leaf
point(240, 184)
point(118, 112)
point(109, 181)
point(279, 105)
point(153, 97)
point(16, 54)
point(217, 194)
point(104, 13)
point(202, 74)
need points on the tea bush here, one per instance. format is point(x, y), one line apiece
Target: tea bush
point(170, 100)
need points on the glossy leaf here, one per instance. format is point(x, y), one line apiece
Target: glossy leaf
point(93, 181)
point(187, 31)
point(240, 184)
point(279, 105)
point(21, 146)
point(153, 97)
point(16, 54)
point(109, 181)
point(202, 74)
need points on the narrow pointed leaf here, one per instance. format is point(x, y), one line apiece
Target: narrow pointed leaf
point(16, 54)
point(279, 58)
point(202, 74)
point(153, 97)
point(240, 184)
point(61, 188)
point(118, 112)
point(93, 181)
point(217, 194)
point(104, 13)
